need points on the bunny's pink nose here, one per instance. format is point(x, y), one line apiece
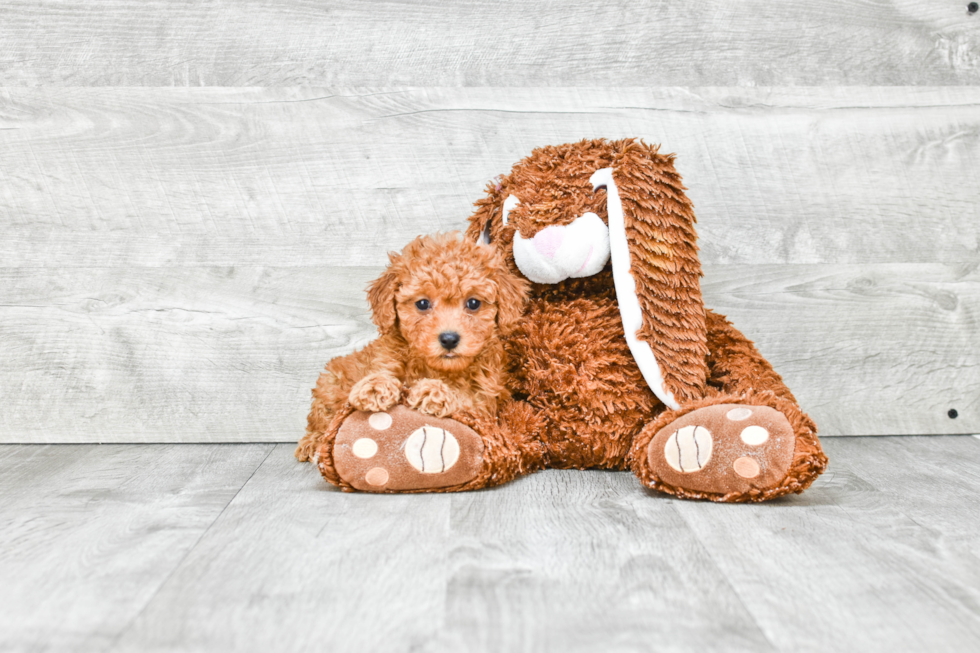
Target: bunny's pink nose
point(548, 240)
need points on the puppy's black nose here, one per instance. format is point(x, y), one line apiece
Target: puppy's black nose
point(449, 339)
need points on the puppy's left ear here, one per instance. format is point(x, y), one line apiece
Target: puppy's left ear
point(511, 298)
point(381, 295)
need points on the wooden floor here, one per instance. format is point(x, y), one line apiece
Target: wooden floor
point(238, 547)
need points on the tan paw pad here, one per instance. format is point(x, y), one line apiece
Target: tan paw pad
point(376, 476)
point(739, 414)
point(754, 435)
point(432, 450)
point(746, 467)
point(688, 449)
point(379, 421)
point(364, 448)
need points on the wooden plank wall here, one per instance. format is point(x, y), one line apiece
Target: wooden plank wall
point(193, 197)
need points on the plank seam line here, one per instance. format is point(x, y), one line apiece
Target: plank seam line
point(481, 110)
point(128, 626)
point(312, 99)
point(728, 581)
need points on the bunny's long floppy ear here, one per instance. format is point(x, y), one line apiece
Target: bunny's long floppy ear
point(656, 271)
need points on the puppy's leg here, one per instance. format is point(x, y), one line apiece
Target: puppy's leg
point(329, 396)
point(376, 392)
point(333, 389)
point(306, 447)
point(434, 397)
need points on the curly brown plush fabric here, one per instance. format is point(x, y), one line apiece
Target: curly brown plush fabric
point(585, 397)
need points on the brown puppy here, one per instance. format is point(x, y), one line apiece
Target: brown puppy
point(440, 308)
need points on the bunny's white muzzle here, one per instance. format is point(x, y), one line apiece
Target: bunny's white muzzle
point(556, 253)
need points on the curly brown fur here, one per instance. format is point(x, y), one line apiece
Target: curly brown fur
point(571, 363)
point(437, 285)
point(567, 361)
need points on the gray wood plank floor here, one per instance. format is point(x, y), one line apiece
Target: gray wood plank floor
point(238, 547)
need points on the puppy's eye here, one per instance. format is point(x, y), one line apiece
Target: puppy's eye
point(472, 303)
point(422, 304)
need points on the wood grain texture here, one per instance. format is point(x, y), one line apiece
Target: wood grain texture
point(487, 43)
point(555, 562)
point(178, 264)
point(866, 349)
point(89, 534)
point(312, 567)
point(185, 177)
point(604, 567)
point(230, 354)
point(171, 354)
point(879, 554)
point(852, 550)
point(935, 487)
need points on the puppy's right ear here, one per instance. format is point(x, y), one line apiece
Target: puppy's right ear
point(381, 295)
point(511, 299)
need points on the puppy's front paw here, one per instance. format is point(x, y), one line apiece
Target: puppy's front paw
point(433, 397)
point(375, 393)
